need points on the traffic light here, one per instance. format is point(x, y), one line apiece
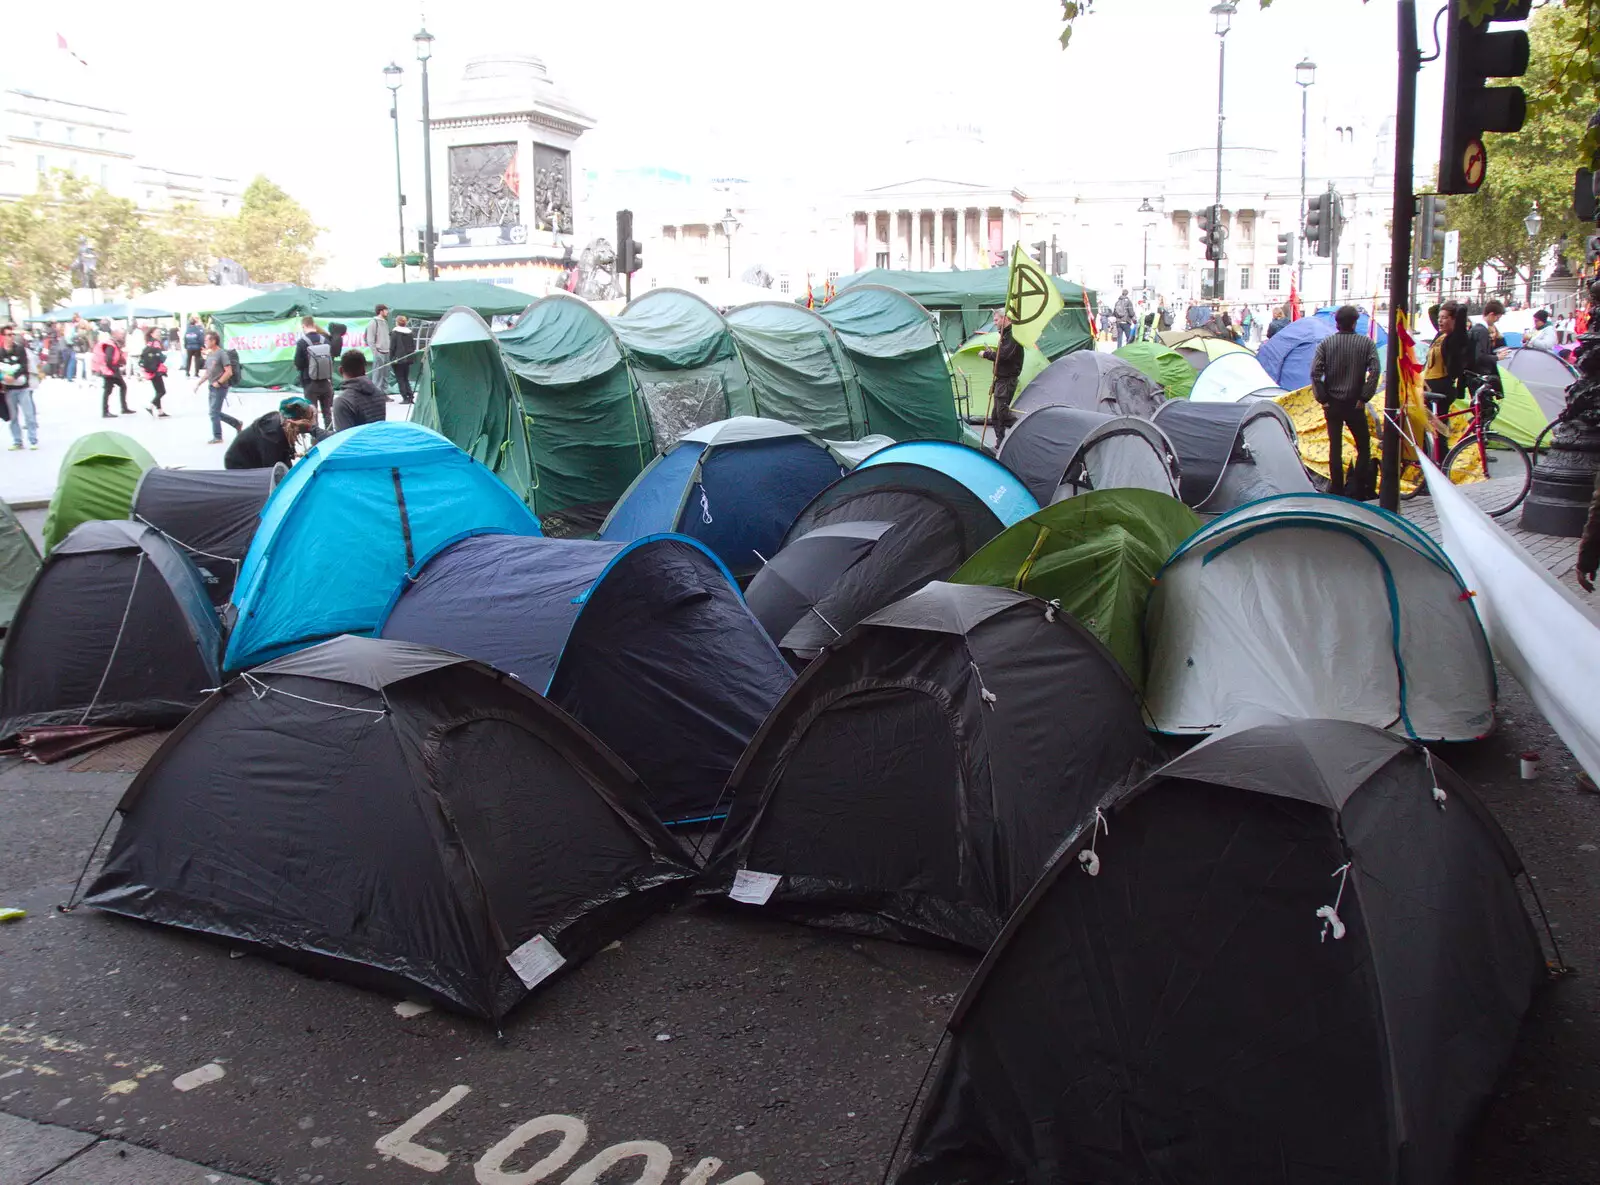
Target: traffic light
point(1211, 232)
point(1322, 222)
point(1285, 248)
point(1473, 54)
point(630, 255)
point(1041, 254)
point(1585, 195)
point(1430, 226)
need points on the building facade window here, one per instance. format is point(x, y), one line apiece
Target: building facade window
point(105, 176)
point(1274, 279)
point(42, 169)
point(1244, 277)
point(38, 129)
point(1388, 277)
point(71, 131)
point(1117, 275)
point(102, 138)
point(783, 285)
point(832, 276)
point(1344, 278)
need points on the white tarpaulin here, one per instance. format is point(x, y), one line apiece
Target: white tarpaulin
point(1537, 627)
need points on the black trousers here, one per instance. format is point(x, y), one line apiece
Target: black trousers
point(193, 363)
point(1000, 396)
point(1340, 414)
point(402, 376)
point(113, 382)
point(158, 389)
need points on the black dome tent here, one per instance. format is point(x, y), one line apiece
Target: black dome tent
point(1060, 452)
point(1295, 954)
point(116, 629)
point(396, 816)
point(919, 775)
point(646, 644)
point(934, 523)
point(1232, 453)
point(209, 513)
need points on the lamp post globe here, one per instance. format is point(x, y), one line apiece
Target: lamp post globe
point(729, 225)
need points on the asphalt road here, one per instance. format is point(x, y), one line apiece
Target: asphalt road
point(773, 1050)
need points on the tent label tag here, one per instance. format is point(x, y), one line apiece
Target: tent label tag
point(754, 888)
point(535, 961)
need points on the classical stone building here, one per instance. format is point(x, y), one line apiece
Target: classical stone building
point(503, 143)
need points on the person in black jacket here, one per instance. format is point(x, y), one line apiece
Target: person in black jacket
point(1488, 345)
point(153, 361)
point(403, 347)
point(359, 401)
point(314, 355)
point(274, 437)
point(194, 347)
point(1007, 358)
point(1280, 318)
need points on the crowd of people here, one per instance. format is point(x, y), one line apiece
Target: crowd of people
point(82, 352)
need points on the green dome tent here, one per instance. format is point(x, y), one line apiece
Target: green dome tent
point(1162, 364)
point(97, 480)
point(899, 362)
point(974, 373)
point(1520, 417)
point(798, 370)
point(19, 563)
point(588, 430)
point(1096, 555)
point(685, 361)
point(481, 413)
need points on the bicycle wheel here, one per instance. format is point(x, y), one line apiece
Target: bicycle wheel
point(1510, 472)
point(1410, 469)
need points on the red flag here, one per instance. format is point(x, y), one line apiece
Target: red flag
point(828, 292)
point(1094, 330)
point(1294, 300)
point(61, 43)
point(810, 300)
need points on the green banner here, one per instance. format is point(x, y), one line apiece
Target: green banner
point(266, 349)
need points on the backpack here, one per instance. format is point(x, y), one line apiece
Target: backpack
point(319, 361)
point(238, 371)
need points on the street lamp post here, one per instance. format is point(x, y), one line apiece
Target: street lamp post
point(1147, 209)
point(391, 76)
point(729, 225)
point(1531, 224)
point(1223, 11)
point(424, 40)
point(1305, 74)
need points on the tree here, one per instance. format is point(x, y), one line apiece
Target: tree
point(43, 231)
point(1533, 165)
point(272, 237)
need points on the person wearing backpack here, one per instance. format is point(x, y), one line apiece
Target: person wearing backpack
point(194, 342)
point(313, 358)
point(109, 359)
point(153, 361)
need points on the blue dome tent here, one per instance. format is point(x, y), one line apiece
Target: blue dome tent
point(348, 524)
point(616, 634)
point(1001, 490)
point(734, 485)
point(1287, 354)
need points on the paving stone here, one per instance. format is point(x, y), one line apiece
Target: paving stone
point(112, 1162)
point(29, 1150)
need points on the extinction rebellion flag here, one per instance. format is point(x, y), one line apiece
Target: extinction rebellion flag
point(1031, 299)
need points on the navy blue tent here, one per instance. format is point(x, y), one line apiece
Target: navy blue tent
point(647, 644)
point(735, 485)
point(1287, 354)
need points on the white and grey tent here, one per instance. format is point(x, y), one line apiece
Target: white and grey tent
point(1232, 453)
point(1231, 377)
point(1062, 451)
point(1313, 606)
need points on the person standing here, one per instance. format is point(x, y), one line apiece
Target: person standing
point(403, 346)
point(313, 358)
point(378, 339)
point(1007, 358)
point(359, 400)
point(1344, 375)
point(194, 341)
point(1280, 319)
point(14, 379)
point(109, 359)
point(153, 361)
point(1123, 312)
point(218, 376)
point(82, 335)
point(1488, 344)
point(1544, 335)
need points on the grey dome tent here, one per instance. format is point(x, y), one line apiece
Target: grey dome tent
point(116, 629)
point(1094, 381)
point(919, 775)
point(937, 522)
point(209, 513)
point(1301, 957)
point(1232, 453)
point(395, 816)
point(19, 564)
point(1062, 451)
point(647, 644)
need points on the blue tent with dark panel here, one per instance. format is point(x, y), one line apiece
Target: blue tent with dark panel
point(348, 524)
point(647, 644)
point(1001, 490)
point(1287, 354)
point(734, 485)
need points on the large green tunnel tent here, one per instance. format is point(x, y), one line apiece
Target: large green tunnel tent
point(964, 301)
point(685, 361)
point(798, 370)
point(481, 413)
point(900, 363)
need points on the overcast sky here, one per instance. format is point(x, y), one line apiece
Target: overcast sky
point(825, 91)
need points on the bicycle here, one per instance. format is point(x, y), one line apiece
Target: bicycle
point(1493, 462)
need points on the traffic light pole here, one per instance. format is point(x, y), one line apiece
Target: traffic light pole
point(1332, 231)
point(1222, 62)
point(1405, 134)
